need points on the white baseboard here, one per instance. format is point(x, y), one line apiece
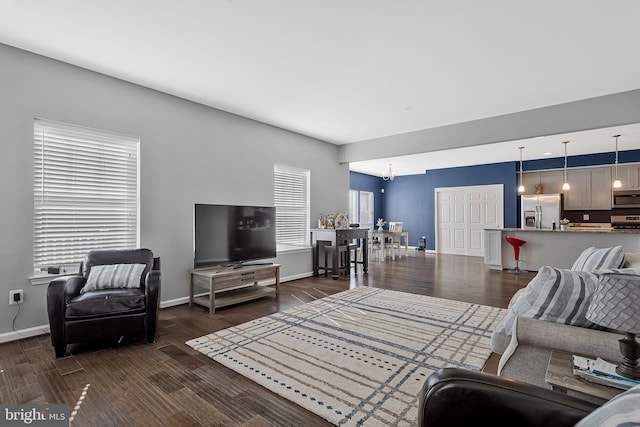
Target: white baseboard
point(429, 251)
point(24, 333)
point(296, 277)
point(44, 329)
point(174, 302)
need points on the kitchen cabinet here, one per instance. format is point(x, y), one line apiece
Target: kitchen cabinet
point(629, 175)
point(551, 181)
point(493, 248)
point(530, 180)
point(590, 189)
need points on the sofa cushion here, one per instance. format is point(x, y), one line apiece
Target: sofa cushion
point(554, 295)
point(112, 302)
point(595, 259)
point(113, 276)
point(622, 410)
point(631, 260)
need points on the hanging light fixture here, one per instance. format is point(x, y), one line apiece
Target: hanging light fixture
point(521, 186)
point(566, 185)
point(389, 174)
point(616, 182)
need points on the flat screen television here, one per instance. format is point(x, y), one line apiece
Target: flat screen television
point(232, 235)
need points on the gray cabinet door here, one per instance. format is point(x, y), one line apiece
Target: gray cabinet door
point(600, 188)
point(629, 175)
point(552, 181)
point(590, 189)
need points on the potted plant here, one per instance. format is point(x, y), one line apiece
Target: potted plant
point(563, 224)
point(381, 222)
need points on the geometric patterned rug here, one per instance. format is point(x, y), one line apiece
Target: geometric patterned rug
point(359, 357)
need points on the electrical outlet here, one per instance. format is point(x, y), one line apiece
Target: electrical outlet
point(585, 217)
point(16, 296)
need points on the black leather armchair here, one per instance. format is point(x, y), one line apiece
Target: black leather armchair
point(459, 397)
point(107, 313)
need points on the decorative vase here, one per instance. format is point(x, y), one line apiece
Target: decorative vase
point(379, 228)
point(563, 227)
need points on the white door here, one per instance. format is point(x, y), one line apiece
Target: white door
point(462, 214)
point(450, 234)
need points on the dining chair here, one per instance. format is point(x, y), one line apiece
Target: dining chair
point(395, 226)
point(396, 229)
point(375, 246)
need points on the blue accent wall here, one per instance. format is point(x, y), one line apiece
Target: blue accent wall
point(630, 156)
point(410, 199)
point(407, 200)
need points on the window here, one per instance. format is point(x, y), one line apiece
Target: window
point(353, 206)
point(85, 192)
point(366, 209)
point(361, 208)
point(291, 199)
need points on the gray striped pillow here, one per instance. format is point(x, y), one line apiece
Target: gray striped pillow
point(595, 259)
point(113, 276)
point(622, 410)
point(554, 295)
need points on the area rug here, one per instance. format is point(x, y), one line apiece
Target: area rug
point(359, 357)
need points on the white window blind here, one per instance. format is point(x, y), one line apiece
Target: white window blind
point(353, 206)
point(366, 210)
point(291, 199)
point(85, 192)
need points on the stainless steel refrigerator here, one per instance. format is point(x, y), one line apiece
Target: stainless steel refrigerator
point(540, 211)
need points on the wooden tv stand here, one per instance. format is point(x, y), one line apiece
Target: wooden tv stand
point(232, 285)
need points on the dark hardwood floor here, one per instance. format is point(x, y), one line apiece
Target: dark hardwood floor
point(167, 383)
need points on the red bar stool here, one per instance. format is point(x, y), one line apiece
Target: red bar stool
point(516, 243)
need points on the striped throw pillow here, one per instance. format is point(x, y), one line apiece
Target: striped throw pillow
point(555, 295)
point(596, 259)
point(113, 276)
point(621, 411)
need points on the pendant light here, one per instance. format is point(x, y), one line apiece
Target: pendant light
point(521, 186)
point(565, 185)
point(616, 182)
point(389, 174)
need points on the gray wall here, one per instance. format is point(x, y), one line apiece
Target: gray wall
point(189, 153)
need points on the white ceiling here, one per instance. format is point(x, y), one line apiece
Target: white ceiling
point(352, 70)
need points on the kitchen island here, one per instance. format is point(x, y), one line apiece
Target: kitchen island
point(552, 247)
